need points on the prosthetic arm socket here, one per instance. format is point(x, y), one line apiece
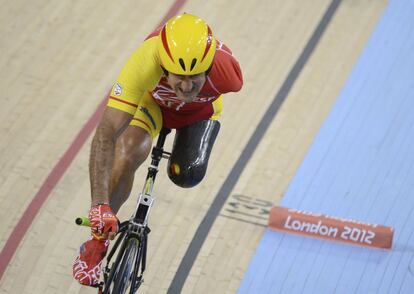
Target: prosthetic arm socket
point(188, 162)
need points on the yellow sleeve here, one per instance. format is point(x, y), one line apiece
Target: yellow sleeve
point(140, 74)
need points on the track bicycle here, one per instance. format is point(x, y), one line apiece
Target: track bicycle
point(125, 274)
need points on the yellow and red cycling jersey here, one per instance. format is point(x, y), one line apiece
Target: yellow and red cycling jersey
point(142, 90)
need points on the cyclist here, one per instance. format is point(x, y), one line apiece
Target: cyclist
point(175, 79)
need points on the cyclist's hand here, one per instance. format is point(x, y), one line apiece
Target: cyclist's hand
point(104, 223)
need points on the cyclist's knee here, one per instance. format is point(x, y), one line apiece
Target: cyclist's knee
point(132, 148)
point(192, 147)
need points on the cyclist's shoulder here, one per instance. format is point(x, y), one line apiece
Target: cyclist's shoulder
point(142, 70)
point(147, 50)
point(226, 74)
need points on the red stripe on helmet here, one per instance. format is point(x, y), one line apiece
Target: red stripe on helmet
point(165, 43)
point(209, 41)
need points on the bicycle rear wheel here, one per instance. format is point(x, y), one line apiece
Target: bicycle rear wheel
point(126, 278)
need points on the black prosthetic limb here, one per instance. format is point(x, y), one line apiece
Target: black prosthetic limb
point(188, 162)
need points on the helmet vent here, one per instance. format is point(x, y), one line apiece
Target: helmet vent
point(182, 63)
point(193, 63)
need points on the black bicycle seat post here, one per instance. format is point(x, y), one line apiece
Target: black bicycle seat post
point(161, 138)
point(157, 153)
point(158, 150)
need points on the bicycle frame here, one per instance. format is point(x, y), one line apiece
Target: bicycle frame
point(137, 225)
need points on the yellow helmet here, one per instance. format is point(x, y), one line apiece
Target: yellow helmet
point(186, 45)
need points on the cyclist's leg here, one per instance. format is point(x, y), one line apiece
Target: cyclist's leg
point(191, 150)
point(132, 148)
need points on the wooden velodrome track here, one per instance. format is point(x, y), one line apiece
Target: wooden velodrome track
point(59, 59)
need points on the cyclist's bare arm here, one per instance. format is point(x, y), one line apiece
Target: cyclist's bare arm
point(112, 124)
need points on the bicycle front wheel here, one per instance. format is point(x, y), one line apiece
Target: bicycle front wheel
point(127, 275)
